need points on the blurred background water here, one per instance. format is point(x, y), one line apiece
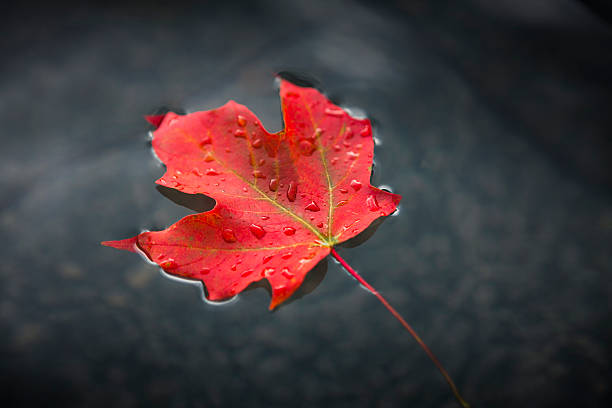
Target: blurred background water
point(495, 125)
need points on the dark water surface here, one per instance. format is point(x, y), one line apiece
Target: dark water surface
point(495, 127)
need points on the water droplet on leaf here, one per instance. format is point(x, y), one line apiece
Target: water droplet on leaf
point(240, 133)
point(273, 184)
point(257, 230)
point(257, 143)
point(356, 185)
point(289, 230)
point(258, 174)
point(312, 207)
point(228, 235)
point(211, 172)
point(307, 147)
point(241, 121)
point(371, 203)
point(292, 191)
point(334, 112)
point(168, 264)
point(285, 272)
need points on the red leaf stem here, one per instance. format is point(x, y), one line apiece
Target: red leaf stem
point(404, 323)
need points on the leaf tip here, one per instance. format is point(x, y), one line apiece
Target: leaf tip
point(396, 198)
point(124, 244)
point(155, 120)
point(280, 294)
point(274, 303)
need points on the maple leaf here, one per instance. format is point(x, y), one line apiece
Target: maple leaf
point(283, 200)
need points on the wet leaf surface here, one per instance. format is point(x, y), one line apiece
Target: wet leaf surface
point(282, 199)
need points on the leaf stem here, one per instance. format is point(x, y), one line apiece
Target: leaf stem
point(409, 328)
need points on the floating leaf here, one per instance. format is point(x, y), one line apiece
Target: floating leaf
point(283, 199)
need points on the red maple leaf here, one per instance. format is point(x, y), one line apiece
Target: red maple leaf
point(283, 200)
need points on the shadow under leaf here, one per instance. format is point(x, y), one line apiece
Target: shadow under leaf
point(364, 235)
point(312, 280)
point(310, 283)
point(195, 202)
